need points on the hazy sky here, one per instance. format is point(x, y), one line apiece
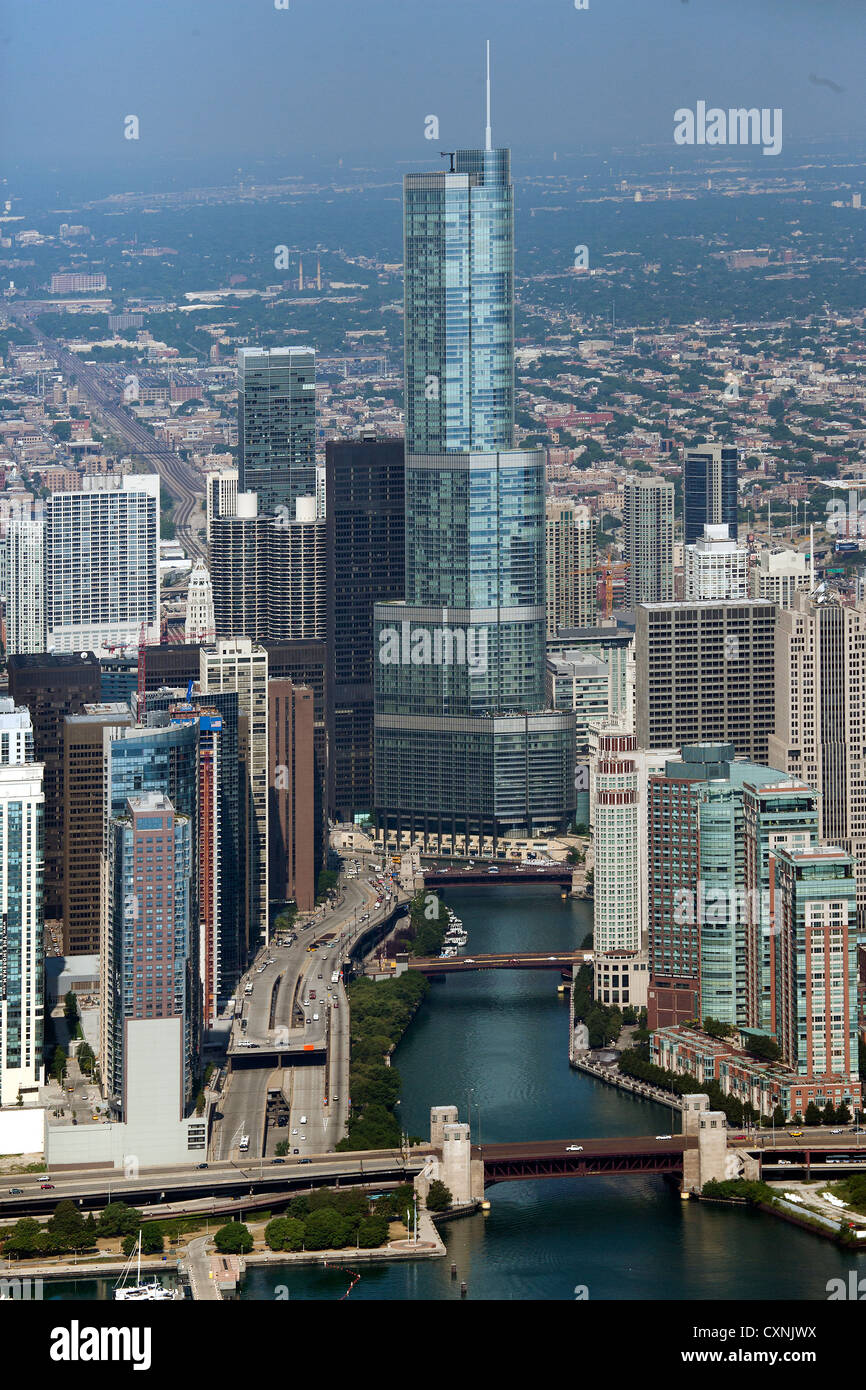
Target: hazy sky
point(227, 79)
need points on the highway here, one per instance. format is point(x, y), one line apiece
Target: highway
point(181, 480)
point(281, 1011)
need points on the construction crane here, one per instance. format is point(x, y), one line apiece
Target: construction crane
point(142, 667)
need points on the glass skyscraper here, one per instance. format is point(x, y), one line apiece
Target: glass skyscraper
point(463, 744)
point(277, 425)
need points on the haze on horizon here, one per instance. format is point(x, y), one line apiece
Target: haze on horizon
point(234, 82)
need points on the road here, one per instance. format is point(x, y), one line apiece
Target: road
point(181, 480)
point(318, 1096)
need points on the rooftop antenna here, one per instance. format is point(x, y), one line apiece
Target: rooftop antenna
point(488, 134)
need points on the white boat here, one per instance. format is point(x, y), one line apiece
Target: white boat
point(148, 1290)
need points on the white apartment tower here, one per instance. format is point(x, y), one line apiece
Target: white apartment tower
point(716, 566)
point(25, 591)
point(221, 494)
point(779, 575)
point(102, 563)
point(21, 948)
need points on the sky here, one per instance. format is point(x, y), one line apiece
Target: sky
point(226, 82)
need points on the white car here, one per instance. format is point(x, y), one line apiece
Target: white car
point(574, 1149)
point(303, 1119)
point(664, 1136)
point(294, 1131)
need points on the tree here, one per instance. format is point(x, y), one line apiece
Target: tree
point(152, 1240)
point(68, 1226)
point(234, 1239)
point(62, 430)
point(325, 1229)
point(829, 1114)
point(439, 1197)
point(284, 1233)
point(843, 1115)
point(779, 1115)
point(117, 1219)
point(70, 1008)
point(372, 1231)
point(282, 1148)
point(86, 1058)
point(26, 1239)
point(813, 1114)
point(58, 1066)
point(760, 1046)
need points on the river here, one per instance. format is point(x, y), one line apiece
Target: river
point(498, 1041)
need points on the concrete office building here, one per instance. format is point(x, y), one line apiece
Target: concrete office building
point(25, 587)
point(580, 682)
point(614, 645)
point(102, 563)
point(820, 726)
point(291, 801)
point(277, 426)
point(364, 509)
point(648, 539)
point(84, 758)
point(715, 567)
point(779, 575)
point(21, 925)
point(53, 685)
point(709, 490)
point(704, 673)
point(221, 495)
point(570, 561)
point(242, 666)
point(199, 623)
point(464, 746)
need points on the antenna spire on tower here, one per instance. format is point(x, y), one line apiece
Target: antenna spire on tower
point(488, 134)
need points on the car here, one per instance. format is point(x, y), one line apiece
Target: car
point(305, 1160)
point(201, 1165)
point(303, 1119)
point(786, 1162)
point(796, 1133)
point(16, 1192)
point(319, 976)
point(574, 1149)
point(837, 1131)
point(46, 1185)
point(664, 1136)
point(336, 1003)
point(335, 1097)
point(277, 1161)
point(296, 1151)
point(294, 1131)
point(315, 1018)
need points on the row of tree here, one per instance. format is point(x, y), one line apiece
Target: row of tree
point(379, 1014)
point(68, 1232)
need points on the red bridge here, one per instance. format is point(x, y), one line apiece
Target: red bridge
point(533, 960)
point(584, 1158)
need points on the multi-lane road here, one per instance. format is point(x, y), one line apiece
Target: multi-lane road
point(97, 384)
point(282, 1011)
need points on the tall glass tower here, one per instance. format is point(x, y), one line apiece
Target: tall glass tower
point(463, 745)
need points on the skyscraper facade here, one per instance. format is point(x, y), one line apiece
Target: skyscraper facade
point(21, 944)
point(464, 745)
point(709, 490)
point(820, 729)
point(715, 567)
point(269, 573)
point(570, 558)
point(25, 586)
point(199, 621)
point(704, 673)
point(53, 685)
point(150, 951)
point(648, 539)
point(102, 564)
point(277, 425)
point(364, 509)
point(291, 800)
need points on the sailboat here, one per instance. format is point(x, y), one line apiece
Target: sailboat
point(143, 1290)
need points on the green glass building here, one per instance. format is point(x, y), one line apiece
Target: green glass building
point(463, 742)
